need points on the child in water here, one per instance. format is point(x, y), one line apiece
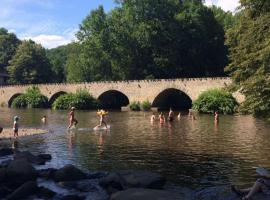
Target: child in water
point(72, 120)
point(216, 116)
point(153, 117)
point(102, 115)
point(16, 126)
point(170, 116)
point(44, 119)
point(161, 118)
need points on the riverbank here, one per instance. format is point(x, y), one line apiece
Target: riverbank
point(8, 132)
point(21, 177)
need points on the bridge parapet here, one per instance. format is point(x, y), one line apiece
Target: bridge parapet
point(134, 90)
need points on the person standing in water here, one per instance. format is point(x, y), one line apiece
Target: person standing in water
point(102, 115)
point(153, 117)
point(44, 119)
point(72, 120)
point(216, 116)
point(161, 118)
point(170, 116)
point(16, 127)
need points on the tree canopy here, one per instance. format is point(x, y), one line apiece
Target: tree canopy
point(8, 45)
point(29, 64)
point(250, 56)
point(142, 39)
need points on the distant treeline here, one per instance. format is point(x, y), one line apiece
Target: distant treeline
point(139, 39)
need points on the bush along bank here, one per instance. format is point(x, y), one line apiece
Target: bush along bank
point(216, 100)
point(82, 100)
point(31, 99)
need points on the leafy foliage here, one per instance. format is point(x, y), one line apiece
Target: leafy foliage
point(31, 99)
point(250, 56)
point(29, 64)
point(215, 100)
point(135, 106)
point(145, 106)
point(150, 39)
point(82, 100)
point(8, 45)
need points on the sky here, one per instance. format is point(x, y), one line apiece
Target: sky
point(54, 22)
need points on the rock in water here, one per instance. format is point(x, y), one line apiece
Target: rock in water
point(69, 173)
point(145, 194)
point(30, 158)
point(25, 190)
point(19, 171)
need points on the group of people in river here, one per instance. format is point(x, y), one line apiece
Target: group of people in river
point(73, 121)
point(170, 118)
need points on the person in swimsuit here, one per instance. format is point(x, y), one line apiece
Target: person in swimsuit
point(261, 185)
point(72, 120)
point(170, 116)
point(102, 113)
point(16, 127)
point(153, 117)
point(44, 119)
point(216, 116)
point(161, 118)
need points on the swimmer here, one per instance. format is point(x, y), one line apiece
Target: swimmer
point(102, 115)
point(153, 117)
point(16, 127)
point(179, 116)
point(161, 118)
point(72, 120)
point(170, 116)
point(44, 119)
point(216, 116)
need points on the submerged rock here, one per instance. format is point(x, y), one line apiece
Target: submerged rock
point(146, 194)
point(132, 179)
point(69, 173)
point(6, 151)
point(143, 179)
point(25, 190)
point(30, 158)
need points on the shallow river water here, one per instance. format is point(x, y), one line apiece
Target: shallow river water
point(194, 153)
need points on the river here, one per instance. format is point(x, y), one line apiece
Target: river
point(194, 153)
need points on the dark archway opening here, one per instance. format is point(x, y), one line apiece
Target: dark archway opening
point(12, 99)
point(113, 99)
point(55, 96)
point(172, 98)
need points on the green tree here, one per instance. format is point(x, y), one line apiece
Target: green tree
point(29, 64)
point(250, 56)
point(8, 44)
point(152, 39)
point(58, 57)
point(226, 19)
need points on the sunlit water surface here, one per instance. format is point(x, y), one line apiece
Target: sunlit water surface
point(194, 153)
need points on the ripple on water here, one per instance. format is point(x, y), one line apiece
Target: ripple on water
point(194, 153)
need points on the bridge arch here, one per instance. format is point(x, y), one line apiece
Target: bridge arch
point(113, 99)
point(11, 99)
point(172, 98)
point(55, 96)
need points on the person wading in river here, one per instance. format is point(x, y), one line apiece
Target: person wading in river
point(72, 120)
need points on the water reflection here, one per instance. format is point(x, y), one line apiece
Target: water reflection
point(187, 151)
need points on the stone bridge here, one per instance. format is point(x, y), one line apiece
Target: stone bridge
point(161, 93)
